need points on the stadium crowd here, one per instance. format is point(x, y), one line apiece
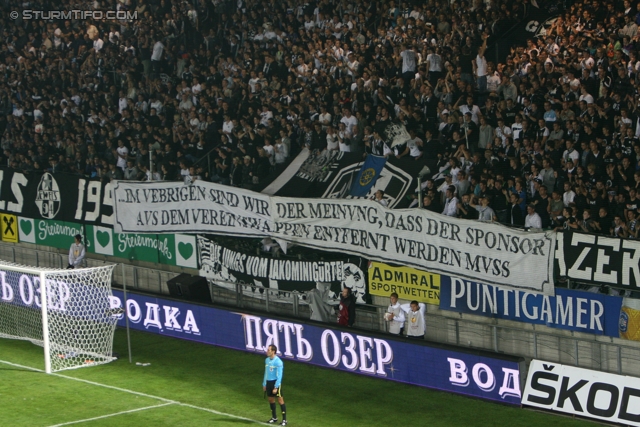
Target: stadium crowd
point(549, 138)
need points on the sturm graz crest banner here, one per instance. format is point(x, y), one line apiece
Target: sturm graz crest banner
point(330, 175)
point(310, 172)
point(225, 266)
point(48, 198)
point(60, 197)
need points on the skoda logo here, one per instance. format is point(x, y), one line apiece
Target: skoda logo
point(48, 196)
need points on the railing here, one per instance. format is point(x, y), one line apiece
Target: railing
point(520, 339)
point(135, 277)
point(206, 157)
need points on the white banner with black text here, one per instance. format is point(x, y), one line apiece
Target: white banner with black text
point(583, 392)
point(483, 252)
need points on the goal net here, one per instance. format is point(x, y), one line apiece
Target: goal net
point(73, 322)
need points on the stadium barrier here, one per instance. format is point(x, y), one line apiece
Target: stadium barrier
point(470, 372)
point(586, 350)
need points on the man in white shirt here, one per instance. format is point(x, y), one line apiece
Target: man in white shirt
point(451, 202)
point(123, 152)
point(259, 36)
point(122, 102)
point(253, 81)
point(569, 195)
point(469, 107)
point(414, 145)
point(344, 139)
point(270, 151)
point(532, 219)
point(416, 326)
point(281, 151)
point(332, 139)
point(265, 115)
point(570, 153)
point(486, 213)
point(379, 197)
point(493, 79)
point(502, 131)
point(324, 117)
point(350, 121)
point(409, 64)
point(395, 315)
point(196, 87)
point(156, 104)
point(352, 65)
point(516, 127)
point(158, 50)
point(309, 25)
point(227, 125)
point(434, 65)
point(552, 48)
point(416, 13)
point(156, 57)
point(480, 66)
point(185, 104)
point(18, 110)
point(585, 96)
point(97, 44)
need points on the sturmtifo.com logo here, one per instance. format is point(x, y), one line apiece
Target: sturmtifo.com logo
point(99, 15)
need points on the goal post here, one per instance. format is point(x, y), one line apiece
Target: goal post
point(65, 311)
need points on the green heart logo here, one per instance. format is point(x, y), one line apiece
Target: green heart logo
point(103, 238)
point(26, 226)
point(185, 249)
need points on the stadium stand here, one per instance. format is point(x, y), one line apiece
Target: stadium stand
point(231, 91)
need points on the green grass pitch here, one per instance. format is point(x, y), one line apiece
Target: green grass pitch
point(190, 384)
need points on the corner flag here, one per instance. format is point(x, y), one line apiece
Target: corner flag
point(368, 175)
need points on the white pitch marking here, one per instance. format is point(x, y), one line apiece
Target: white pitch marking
point(168, 401)
point(112, 415)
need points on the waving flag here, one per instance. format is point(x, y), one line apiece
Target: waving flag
point(368, 175)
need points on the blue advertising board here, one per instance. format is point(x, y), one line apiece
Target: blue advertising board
point(568, 309)
point(453, 371)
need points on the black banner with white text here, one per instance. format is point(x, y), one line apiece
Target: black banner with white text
point(329, 175)
point(60, 197)
point(599, 260)
point(227, 266)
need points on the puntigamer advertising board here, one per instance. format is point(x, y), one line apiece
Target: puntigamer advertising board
point(578, 311)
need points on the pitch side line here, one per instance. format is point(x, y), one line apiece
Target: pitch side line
point(111, 415)
point(168, 401)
